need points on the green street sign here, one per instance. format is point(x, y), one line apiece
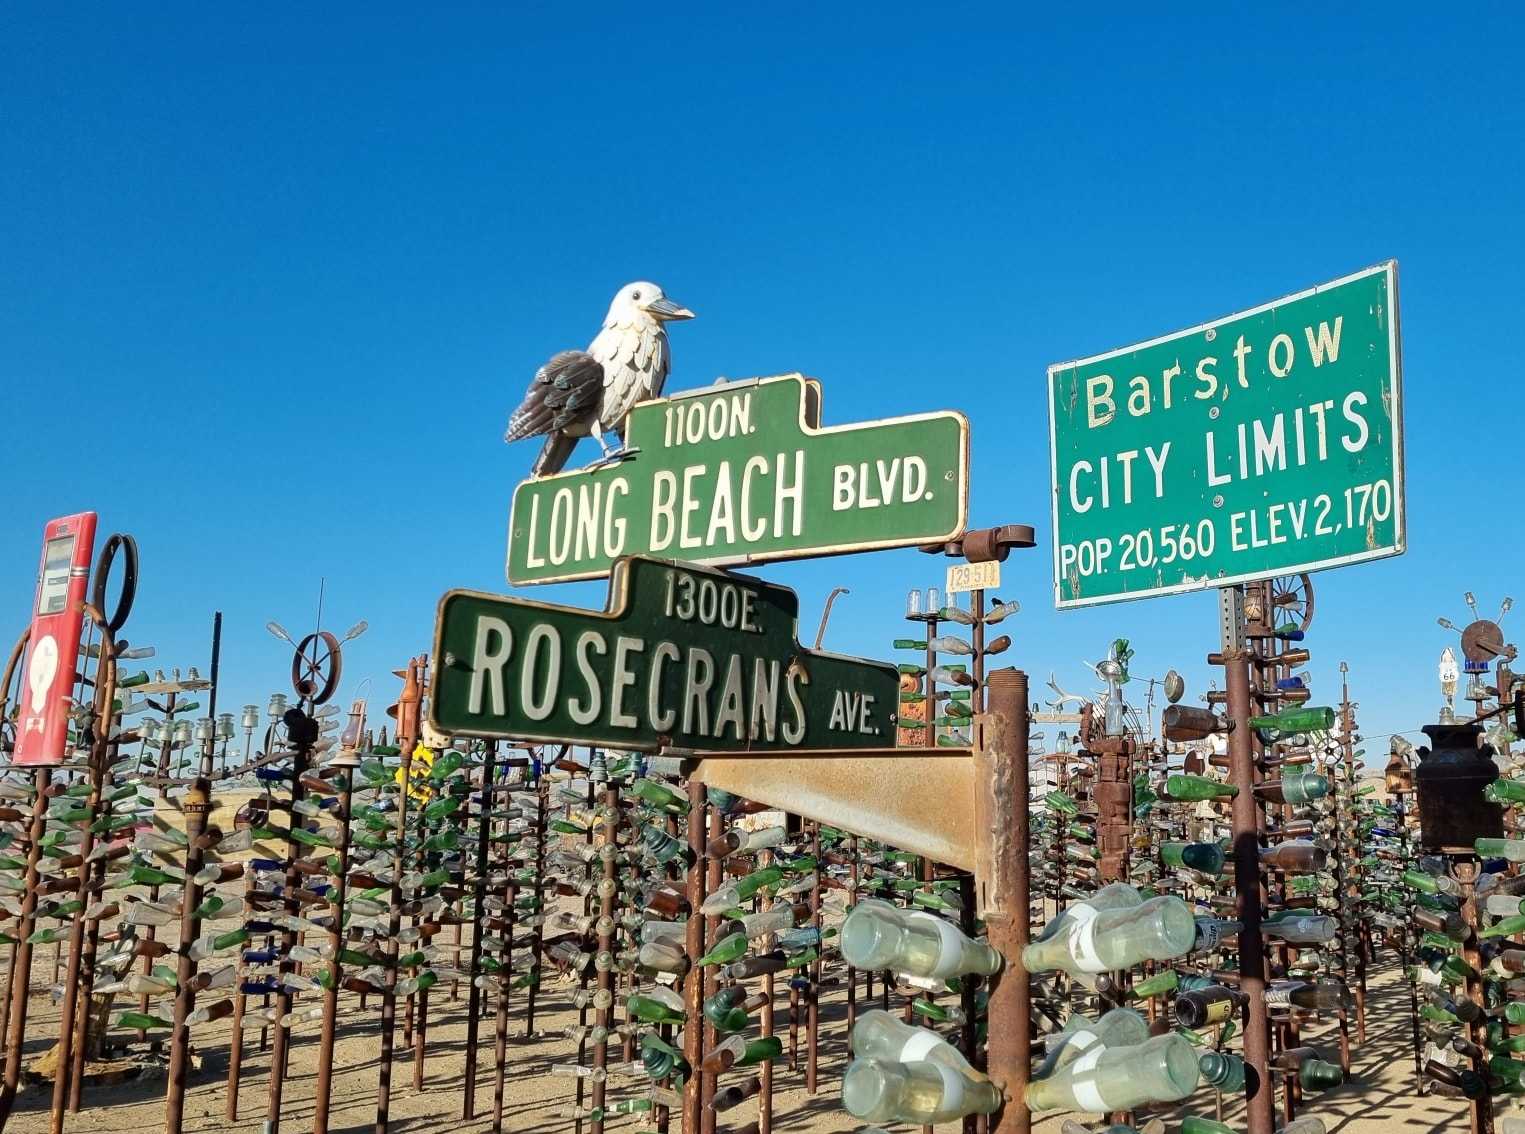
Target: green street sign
point(744, 472)
point(685, 657)
point(1263, 443)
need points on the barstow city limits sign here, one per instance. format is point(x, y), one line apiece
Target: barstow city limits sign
point(684, 657)
point(1262, 443)
point(744, 472)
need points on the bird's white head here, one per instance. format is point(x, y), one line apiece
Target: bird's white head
point(643, 301)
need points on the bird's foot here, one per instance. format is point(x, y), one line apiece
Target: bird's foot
point(613, 457)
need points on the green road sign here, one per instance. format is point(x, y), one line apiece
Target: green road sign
point(1259, 444)
point(743, 472)
point(685, 657)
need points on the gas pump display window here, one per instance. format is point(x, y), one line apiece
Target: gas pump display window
point(57, 560)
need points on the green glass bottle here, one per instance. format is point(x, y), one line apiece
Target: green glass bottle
point(1504, 790)
point(1504, 927)
point(1193, 789)
point(726, 1009)
point(1157, 985)
point(1303, 718)
point(1205, 858)
point(654, 1010)
point(728, 949)
point(141, 1021)
point(311, 838)
point(1511, 849)
point(661, 796)
point(761, 1051)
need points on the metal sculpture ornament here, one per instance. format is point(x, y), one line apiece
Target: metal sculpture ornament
point(744, 472)
point(684, 657)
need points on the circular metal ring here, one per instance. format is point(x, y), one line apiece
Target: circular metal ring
point(119, 541)
point(315, 667)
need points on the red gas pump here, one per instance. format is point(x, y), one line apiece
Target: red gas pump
point(47, 693)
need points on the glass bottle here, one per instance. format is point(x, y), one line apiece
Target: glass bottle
point(916, 1092)
point(1091, 939)
point(1303, 718)
point(880, 937)
point(1193, 789)
point(1162, 1069)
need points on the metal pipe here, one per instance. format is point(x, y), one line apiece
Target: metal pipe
point(603, 1015)
point(21, 969)
point(1005, 901)
point(324, 1088)
point(1259, 1093)
point(281, 1035)
point(693, 981)
point(68, 1033)
point(407, 737)
point(478, 892)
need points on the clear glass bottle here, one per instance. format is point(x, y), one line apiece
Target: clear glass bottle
point(918, 1092)
point(1162, 1069)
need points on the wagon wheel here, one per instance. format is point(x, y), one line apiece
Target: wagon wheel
point(315, 667)
point(1292, 596)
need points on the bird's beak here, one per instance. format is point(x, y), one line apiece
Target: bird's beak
point(665, 309)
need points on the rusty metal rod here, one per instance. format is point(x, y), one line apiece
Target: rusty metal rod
point(478, 893)
point(1006, 902)
point(1259, 1093)
point(21, 969)
point(407, 736)
point(105, 685)
point(281, 1037)
point(603, 1013)
point(693, 981)
point(323, 1091)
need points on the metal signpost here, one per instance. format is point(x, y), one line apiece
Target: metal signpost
point(684, 657)
point(744, 472)
point(1264, 443)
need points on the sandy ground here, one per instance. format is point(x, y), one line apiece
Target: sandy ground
point(1379, 1098)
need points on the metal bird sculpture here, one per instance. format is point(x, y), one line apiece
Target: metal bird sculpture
point(582, 393)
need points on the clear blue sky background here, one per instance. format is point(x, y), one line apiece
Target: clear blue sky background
point(270, 285)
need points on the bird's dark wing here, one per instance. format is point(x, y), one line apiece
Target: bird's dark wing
point(564, 389)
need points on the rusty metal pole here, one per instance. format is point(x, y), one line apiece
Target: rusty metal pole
point(1260, 1100)
point(197, 804)
point(505, 979)
point(478, 894)
point(1005, 892)
point(324, 1088)
point(603, 1015)
point(21, 970)
point(408, 724)
point(281, 1037)
point(813, 994)
point(537, 888)
point(693, 981)
point(423, 922)
point(100, 749)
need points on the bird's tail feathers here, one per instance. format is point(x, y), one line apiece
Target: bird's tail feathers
point(553, 454)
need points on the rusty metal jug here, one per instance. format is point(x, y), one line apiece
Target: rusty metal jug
point(1450, 780)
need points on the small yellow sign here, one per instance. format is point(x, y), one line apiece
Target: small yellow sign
point(419, 789)
point(973, 577)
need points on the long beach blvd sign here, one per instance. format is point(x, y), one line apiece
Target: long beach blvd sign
point(744, 472)
point(1259, 444)
point(685, 656)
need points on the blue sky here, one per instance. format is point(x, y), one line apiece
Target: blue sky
point(269, 285)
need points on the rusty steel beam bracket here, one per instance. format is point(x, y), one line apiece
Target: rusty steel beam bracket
point(916, 799)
